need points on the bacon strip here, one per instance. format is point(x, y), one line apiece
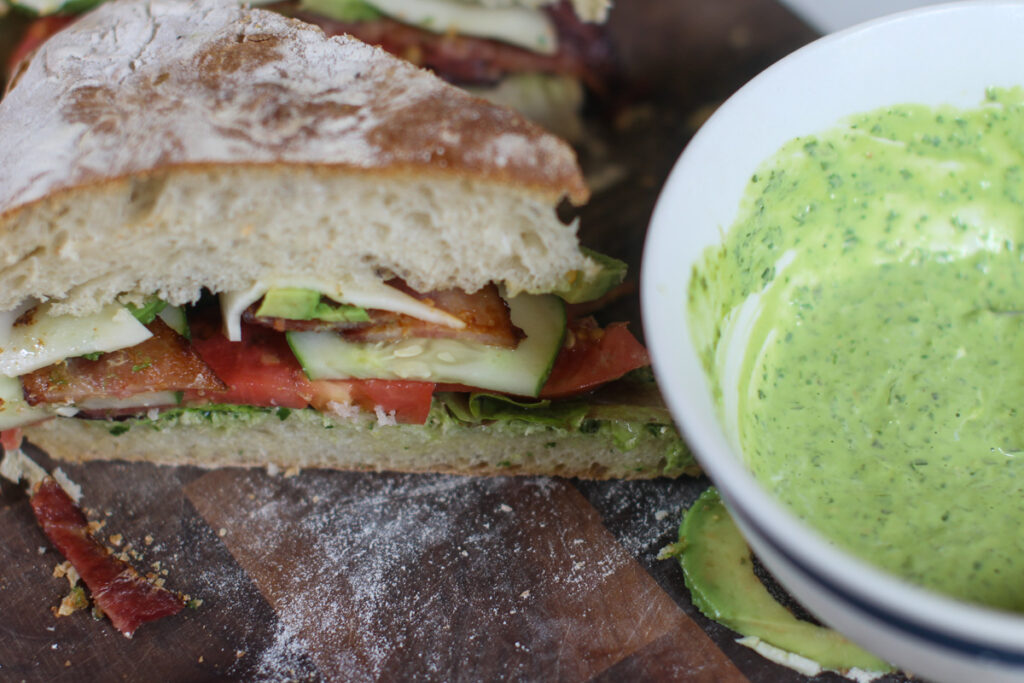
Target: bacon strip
point(124, 596)
point(164, 362)
point(485, 313)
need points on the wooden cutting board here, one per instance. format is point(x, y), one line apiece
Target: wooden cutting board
point(342, 576)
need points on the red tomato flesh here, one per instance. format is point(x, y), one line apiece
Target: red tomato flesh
point(10, 439)
point(592, 357)
point(262, 371)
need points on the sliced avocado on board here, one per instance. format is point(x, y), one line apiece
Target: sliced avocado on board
point(719, 571)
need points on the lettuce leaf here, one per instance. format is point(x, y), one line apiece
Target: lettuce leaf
point(483, 407)
point(148, 311)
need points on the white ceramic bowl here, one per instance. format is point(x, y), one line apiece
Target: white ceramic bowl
point(941, 54)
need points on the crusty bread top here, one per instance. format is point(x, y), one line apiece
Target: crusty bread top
point(139, 86)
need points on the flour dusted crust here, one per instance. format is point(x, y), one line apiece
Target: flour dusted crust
point(141, 85)
point(139, 103)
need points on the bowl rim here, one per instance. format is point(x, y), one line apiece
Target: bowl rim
point(938, 619)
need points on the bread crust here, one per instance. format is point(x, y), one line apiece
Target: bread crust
point(135, 87)
point(307, 439)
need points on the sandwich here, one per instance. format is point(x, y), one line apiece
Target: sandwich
point(537, 56)
point(228, 239)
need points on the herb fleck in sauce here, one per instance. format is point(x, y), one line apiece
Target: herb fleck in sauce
point(882, 392)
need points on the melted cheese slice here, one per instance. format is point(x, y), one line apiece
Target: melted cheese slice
point(46, 339)
point(365, 294)
point(530, 29)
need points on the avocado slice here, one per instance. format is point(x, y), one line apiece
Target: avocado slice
point(718, 570)
point(587, 285)
point(307, 304)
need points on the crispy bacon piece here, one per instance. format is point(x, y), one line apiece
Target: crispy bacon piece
point(484, 312)
point(164, 362)
point(289, 325)
point(583, 50)
point(124, 596)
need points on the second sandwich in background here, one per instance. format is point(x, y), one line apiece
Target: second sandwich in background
point(540, 57)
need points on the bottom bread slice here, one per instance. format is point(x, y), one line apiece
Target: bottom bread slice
point(222, 437)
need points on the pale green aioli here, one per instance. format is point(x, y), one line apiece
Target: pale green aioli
point(881, 396)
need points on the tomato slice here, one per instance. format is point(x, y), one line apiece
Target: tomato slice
point(35, 35)
point(260, 370)
point(409, 401)
point(592, 356)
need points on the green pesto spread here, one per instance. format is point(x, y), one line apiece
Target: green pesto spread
point(875, 278)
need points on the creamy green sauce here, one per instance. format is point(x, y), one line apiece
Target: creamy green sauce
point(881, 393)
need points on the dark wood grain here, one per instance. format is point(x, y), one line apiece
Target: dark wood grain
point(443, 578)
point(135, 502)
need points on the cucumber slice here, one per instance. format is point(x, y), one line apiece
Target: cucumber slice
point(521, 371)
point(14, 410)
